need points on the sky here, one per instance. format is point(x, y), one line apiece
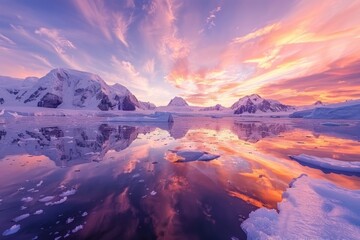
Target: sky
point(206, 51)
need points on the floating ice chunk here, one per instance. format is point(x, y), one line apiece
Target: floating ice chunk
point(20, 189)
point(31, 190)
point(328, 163)
point(136, 175)
point(46, 199)
point(153, 193)
point(334, 124)
point(14, 229)
point(38, 212)
point(311, 209)
point(69, 220)
point(40, 183)
point(27, 199)
point(21, 217)
point(77, 228)
point(57, 238)
point(23, 208)
point(57, 202)
point(68, 192)
point(84, 214)
point(191, 155)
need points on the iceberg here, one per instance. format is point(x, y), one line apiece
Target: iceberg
point(190, 156)
point(328, 164)
point(310, 209)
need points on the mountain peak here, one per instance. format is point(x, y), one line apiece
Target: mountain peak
point(178, 102)
point(254, 103)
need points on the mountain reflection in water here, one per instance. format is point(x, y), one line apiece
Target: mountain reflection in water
point(126, 188)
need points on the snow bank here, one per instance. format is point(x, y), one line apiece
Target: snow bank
point(191, 155)
point(343, 112)
point(311, 209)
point(328, 163)
point(156, 117)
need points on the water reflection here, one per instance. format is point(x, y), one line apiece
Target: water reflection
point(130, 189)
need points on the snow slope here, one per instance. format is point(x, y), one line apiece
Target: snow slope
point(328, 163)
point(255, 104)
point(310, 209)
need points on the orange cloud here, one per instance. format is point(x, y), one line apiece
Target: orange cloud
point(312, 38)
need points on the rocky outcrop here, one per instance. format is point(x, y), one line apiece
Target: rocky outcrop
point(50, 101)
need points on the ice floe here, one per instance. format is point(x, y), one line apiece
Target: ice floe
point(27, 199)
point(40, 183)
point(21, 217)
point(38, 212)
point(334, 124)
point(310, 209)
point(46, 199)
point(62, 200)
point(77, 228)
point(69, 220)
point(328, 164)
point(14, 229)
point(191, 155)
point(68, 193)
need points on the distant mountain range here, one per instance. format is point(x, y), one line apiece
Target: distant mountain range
point(72, 89)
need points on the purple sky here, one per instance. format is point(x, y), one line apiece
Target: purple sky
point(206, 51)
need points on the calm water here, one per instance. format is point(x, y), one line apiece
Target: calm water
point(119, 181)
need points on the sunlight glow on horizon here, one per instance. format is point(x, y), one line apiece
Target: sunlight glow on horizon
point(208, 52)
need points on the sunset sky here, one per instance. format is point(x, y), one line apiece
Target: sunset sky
point(206, 51)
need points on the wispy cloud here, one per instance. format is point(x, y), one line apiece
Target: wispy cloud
point(111, 23)
point(59, 44)
point(4, 41)
point(210, 20)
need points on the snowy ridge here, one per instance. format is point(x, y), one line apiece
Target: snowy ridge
point(255, 104)
point(311, 209)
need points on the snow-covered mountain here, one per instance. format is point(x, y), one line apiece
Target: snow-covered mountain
point(217, 107)
point(255, 104)
point(66, 88)
point(178, 102)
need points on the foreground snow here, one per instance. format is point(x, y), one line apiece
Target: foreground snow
point(311, 209)
point(328, 163)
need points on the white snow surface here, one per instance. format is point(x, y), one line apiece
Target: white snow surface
point(328, 163)
point(310, 209)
